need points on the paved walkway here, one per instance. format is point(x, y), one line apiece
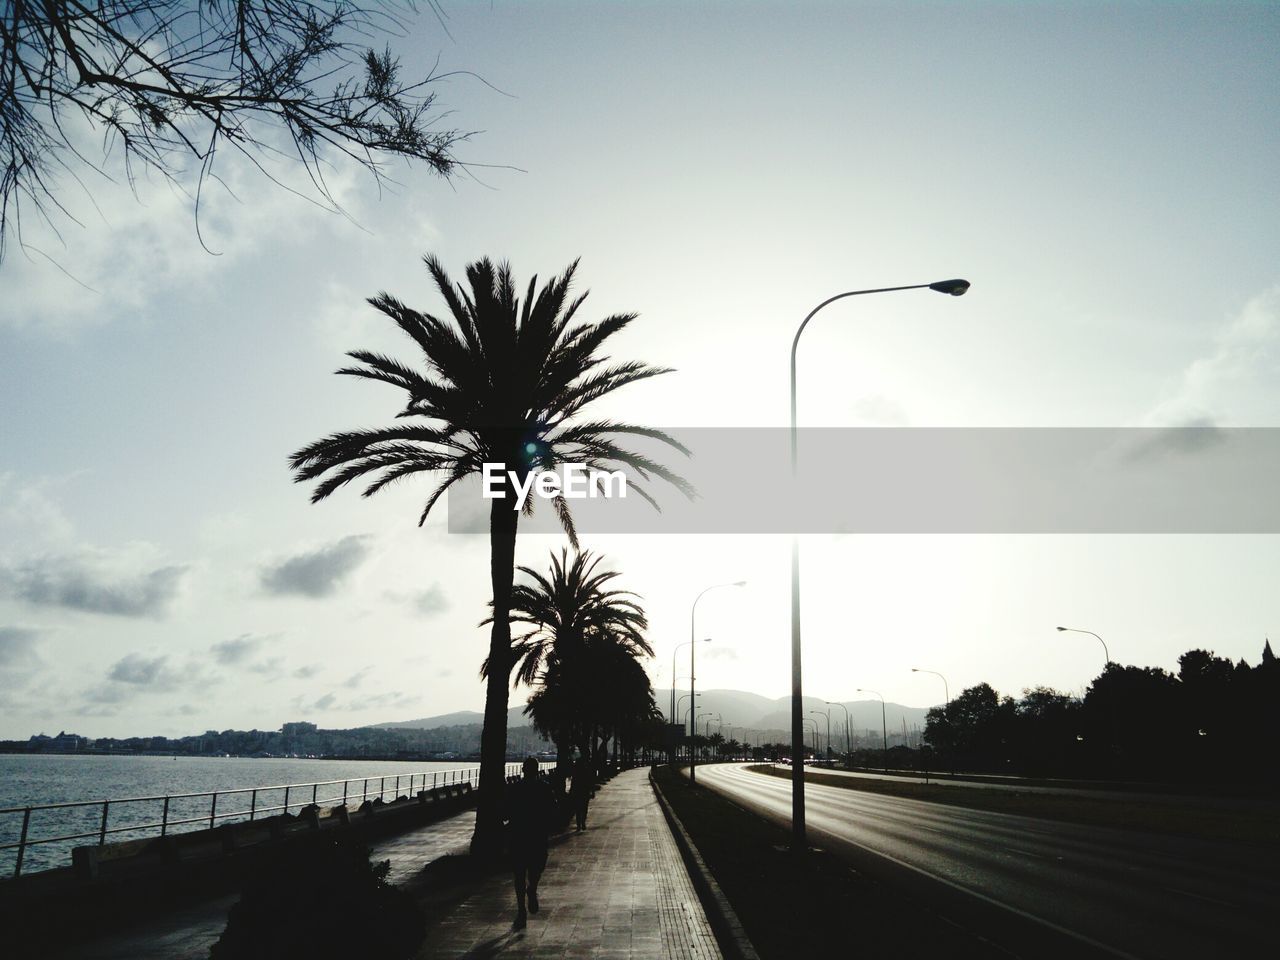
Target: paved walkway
point(619, 890)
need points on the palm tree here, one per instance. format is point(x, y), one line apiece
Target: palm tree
point(574, 619)
point(597, 693)
point(500, 382)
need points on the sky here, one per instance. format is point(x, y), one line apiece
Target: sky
point(1103, 174)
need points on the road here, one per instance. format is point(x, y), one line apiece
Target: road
point(1109, 892)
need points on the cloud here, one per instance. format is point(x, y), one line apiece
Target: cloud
point(431, 601)
point(393, 699)
point(1195, 436)
point(138, 246)
point(1234, 380)
point(141, 671)
point(270, 667)
point(714, 652)
point(19, 662)
point(231, 652)
point(318, 573)
point(28, 513)
point(91, 581)
point(18, 648)
point(356, 678)
point(137, 674)
point(428, 602)
point(306, 671)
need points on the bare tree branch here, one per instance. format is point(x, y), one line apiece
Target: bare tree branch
point(169, 81)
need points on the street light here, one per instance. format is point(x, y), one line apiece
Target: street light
point(884, 730)
point(693, 615)
point(848, 749)
point(827, 714)
point(946, 720)
point(815, 736)
point(954, 288)
point(945, 688)
point(1092, 634)
point(674, 678)
point(694, 727)
point(691, 698)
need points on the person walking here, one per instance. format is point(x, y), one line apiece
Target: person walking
point(580, 790)
point(529, 815)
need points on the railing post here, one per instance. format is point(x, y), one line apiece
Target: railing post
point(344, 792)
point(397, 787)
point(365, 795)
point(382, 789)
point(22, 841)
point(102, 831)
point(314, 788)
point(286, 799)
point(213, 809)
point(164, 818)
point(253, 804)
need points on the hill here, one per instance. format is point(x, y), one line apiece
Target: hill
point(515, 718)
point(736, 708)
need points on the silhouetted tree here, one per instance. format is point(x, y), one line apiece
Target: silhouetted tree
point(167, 81)
point(564, 611)
point(504, 383)
point(1132, 720)
point(1044, 734)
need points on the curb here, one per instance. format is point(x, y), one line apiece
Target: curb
point(730, 933)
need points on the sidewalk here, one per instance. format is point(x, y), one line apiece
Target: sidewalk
point(619, 890)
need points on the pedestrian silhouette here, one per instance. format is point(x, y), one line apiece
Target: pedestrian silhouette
point(580, 790)
point(530, 810)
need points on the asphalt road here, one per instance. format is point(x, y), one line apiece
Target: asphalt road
point(1101, 891)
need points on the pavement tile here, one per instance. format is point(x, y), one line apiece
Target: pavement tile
point(618, 891)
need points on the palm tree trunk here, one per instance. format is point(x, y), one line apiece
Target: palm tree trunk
point(487, 839)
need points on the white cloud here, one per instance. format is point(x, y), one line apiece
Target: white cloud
point(30, 514)
point(1234, 383)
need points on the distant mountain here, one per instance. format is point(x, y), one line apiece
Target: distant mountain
point(515, 718)
point(738, 708)
point(750, 710)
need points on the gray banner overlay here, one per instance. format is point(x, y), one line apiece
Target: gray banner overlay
point(936, 480)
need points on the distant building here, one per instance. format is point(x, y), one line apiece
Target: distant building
point(297, 728)
point(63, 743)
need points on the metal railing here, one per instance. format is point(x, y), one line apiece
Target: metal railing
point(186, 811)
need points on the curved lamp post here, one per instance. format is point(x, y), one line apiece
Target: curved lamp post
point(953, 288)
point(815, 736)
point(848, 748)
point(693, 616)
point(827, 714)
point(1092, 634)
point(947, 691)
point(674, 717)
point(685, 716)
point(884, 729)
point(692, 745)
